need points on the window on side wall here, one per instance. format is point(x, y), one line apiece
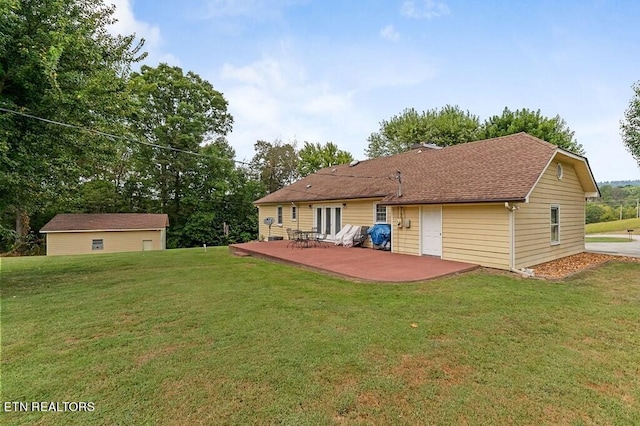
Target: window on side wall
point(279, 222)
point(381, 214)
point(97, 244)
point(555, 224)
point(294, 213)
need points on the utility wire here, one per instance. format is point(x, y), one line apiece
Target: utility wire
point(357, 177)
point(170, 148)
point(122, 138)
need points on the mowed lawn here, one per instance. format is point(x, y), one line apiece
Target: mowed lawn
point(615, 227)
point(195, 337)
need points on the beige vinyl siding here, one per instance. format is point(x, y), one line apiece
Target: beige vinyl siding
point(405, 240)
point(358, 213)
point(303, 220)
point(476, 234)
point(354, 212)
point(61, 243)
point(533, 219)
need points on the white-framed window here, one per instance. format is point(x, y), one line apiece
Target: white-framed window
point(380, 214)
point(555, 224)
point(294, 213)
point(279, 216)
point(97, 244)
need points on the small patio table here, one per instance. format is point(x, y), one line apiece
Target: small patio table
point(304, 238)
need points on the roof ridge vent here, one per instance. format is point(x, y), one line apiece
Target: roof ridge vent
point(431, 146)
point(354, 163)
point(424, 145)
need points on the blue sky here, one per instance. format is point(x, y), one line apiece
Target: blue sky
point(325, 70)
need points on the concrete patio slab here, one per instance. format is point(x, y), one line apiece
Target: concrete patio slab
point(362, 264)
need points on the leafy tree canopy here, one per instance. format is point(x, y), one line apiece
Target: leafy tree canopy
point(58, 62)
point(315, 156)
point(630, 125)
point(275, 164)
point(553, 130)
point(451, 126)
point(447, 126)
point(182, 112)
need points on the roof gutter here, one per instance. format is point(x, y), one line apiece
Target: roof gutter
point(476, 201)
point(58, 231)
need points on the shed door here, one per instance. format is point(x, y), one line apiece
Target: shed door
point(431, 229)
point(147, 245)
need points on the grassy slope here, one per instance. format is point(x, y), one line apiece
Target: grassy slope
point(615, 227)
point(185, 336)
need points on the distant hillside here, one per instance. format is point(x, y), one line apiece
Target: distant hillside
point(621, 183)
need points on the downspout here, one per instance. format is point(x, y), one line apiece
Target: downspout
point(512, 240)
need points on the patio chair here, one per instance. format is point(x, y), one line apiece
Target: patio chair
point(294, 238)
point(318, 238)
point(361, 236)
point(340, 235)
point(347, 240)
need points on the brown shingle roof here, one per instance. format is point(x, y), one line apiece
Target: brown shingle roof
point(499, 169)
point(105, 222)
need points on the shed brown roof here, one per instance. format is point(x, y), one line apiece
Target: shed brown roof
point(105, 222)
point(499, 169)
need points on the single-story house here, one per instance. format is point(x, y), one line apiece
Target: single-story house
point(509, 202)
point(105, 233)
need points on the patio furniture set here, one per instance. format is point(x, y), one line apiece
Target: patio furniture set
point(349, 236)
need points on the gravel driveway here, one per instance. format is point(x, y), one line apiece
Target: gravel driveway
point(623, 249)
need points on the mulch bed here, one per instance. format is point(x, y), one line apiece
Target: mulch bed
point(566, 266)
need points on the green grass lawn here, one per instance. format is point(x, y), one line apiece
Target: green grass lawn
point(607, 239)
point(187, 336)
point(615, 227)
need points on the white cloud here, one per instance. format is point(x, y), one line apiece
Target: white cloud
point(274, 98)
point(128, 24)
point(317, 95)
point(420, 9)
point(390, 33)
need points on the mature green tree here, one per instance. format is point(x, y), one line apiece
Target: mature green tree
point(630, 125)
point(57, 62)
point(275, 164)
point(175, 114)
point(447, 126)
point(553, 130)
point(216, 208)
point(315, 156)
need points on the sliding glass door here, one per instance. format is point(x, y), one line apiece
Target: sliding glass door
point(328, 220)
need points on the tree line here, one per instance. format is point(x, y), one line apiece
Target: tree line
point(615, 203)
point(450, 125)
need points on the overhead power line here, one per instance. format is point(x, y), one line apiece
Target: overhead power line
point(122, 138)
point(169, 148)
